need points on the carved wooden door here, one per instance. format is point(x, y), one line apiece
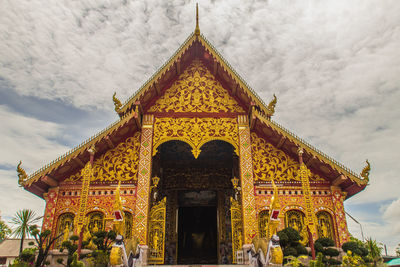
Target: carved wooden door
point(237, 228)
point(157, 232)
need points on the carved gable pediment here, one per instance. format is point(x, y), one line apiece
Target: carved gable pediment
point(272, 163)
point(196, 90)
point(120, 163)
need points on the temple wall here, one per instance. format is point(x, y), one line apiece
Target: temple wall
point(65, 199)
point(291, 198)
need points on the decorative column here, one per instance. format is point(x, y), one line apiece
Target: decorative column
point(246, 175)
point(340, 218)
point(305, 174)
point(143, 183)
point(49, 221)
point(87, 174)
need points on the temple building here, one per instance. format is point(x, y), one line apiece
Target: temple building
point(196, 151)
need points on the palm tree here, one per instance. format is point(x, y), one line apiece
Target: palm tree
point(22, 220)
point(374, 249)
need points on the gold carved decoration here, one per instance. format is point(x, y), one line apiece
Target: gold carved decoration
point(271, 107)
point(65, 225)
point(128, 220)
point(196, 90)
point(21, 174)
point(325, 224)
point(157, 232)
point(195, 132)
point(272, 163)
point(117, 104)
point(311, 220)
point(120, 163)
point(263, 217)
point(87, 174)
point(237, 228)
point(95, 222)
point(365, 172)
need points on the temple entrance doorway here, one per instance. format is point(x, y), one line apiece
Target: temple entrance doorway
point(197, 235)
point(197, 194)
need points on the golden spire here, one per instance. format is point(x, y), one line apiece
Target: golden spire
point(197, 30)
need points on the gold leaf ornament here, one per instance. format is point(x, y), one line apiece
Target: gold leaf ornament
point(195, 132)
point(272, 163)
point(196, 90)
point(120, 163)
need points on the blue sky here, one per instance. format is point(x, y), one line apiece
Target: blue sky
point(334, 66)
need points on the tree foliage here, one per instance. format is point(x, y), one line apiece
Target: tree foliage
point(355, 248)
point(71, 246)
point(103, 240)
point(289, 240)
point(43, 243)
point(22, 220)
point(325, 246)
point(5, 231)
point(374, 251)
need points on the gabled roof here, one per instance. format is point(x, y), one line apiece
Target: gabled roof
point(196, 46)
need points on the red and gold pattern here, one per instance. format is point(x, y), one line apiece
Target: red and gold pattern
point(117, 164)
point(321, 199)
point(311, 220)
point(272, 163)
point(337, 198)
point(246, 174)
point(143, 185)
point(86, 173)
point(51, 201)
point(95, 202)
point(196, 90)
point(195, 132)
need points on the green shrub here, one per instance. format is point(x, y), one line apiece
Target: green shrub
point(290, 251)
point(324, 246)
point(355, 248)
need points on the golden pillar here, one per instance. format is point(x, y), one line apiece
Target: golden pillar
point(305, 173)
point(247, 185)
point(143, 183)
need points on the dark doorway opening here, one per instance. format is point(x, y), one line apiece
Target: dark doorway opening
point(197, 235)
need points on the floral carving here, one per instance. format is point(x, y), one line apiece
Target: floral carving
point(196, 90)
point(120, 163)
point(195, 131)
point(270, 162)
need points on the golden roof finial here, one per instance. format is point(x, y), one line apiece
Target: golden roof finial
point(365, 172)
point(271, 107)
point(21, 174)
point(197, 30)
point(117, 104)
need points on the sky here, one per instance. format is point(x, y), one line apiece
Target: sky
point(334, 66)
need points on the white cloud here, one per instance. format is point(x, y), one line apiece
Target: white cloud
point(28, 139)
point(33, 142)
point(14, 198)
